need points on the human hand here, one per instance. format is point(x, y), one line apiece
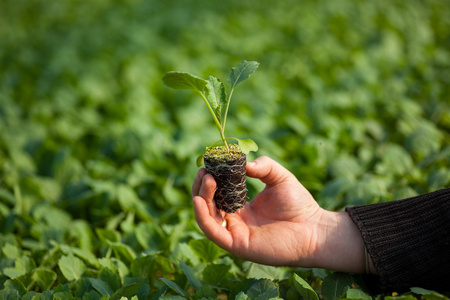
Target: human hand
point(282, 225)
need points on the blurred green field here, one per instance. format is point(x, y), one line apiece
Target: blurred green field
point(97, 156)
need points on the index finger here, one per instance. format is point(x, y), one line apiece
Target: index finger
point(198, 182)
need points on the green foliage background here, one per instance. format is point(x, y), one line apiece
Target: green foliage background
point(97, 156)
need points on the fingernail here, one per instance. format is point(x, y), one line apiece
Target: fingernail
point(251, 163)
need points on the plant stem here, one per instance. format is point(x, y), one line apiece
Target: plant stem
point(224, 140)
point(219, 126)
point(226, 109)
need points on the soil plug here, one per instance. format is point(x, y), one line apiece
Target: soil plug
point(228, 169)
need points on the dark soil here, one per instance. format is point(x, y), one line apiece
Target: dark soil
point(228, 169)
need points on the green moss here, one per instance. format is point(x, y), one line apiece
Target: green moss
point(220, 153)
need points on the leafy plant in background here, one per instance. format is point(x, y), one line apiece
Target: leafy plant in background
point(96, 159)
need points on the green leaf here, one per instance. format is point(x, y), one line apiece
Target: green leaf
point(196, 284)
point(45, 278)
point(63, 295)
point(241, 296)
point(259, 271)
point(101, 286)
point(160, 293)
point(356, 294)
point(107, 236)
point(29, 295)
point(86, 255)
point(421, 291)
point(199, 160)
point(407, 297)
point(185, 253)
point(71, 267)
point(247, 145)
point(215, 273)
point(123, 252)
point(147, 266)
point(15, 284)
point(131, 290)
point(11, 251)
point(149, 236)
point(205, 292)
point(262, 289)
point(45, 295)
point(216, 96)
point(334, 285)
point(305, 290)
point(428, 294)
point(242, 71)
point(205, 249)
point(111, 277)
point(91, 295)
point(175, 287)
point(22, 265)
point(184, 81)
point(9, 294)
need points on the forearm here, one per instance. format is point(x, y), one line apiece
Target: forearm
point(340, 246)
point(408, 240)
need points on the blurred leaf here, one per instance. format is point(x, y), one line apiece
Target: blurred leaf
point(258, 271)
point(206, 292)
point(336, 187)
point(11, 251)
point(241, 296)
point(428, 293)
point(175, 287)
point(15, 285)
point(101, 286)
point(196, 284)
point(123, 252)
point(205, 249)
point(215, 273)
point(394, 161)
point(108, 236)
point(150, 236)
point(45, 278)
point(22, 265)
point(334, 285)
point(356, 294)
point(9, 294)
point(305, 290)
point(438, 179)
point(345, 167)
point(131, 290)
point(262, 289)
point(71, 267)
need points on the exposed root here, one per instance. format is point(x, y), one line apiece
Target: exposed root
point(230, 176)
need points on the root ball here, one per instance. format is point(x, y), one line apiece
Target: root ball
point(229, 172)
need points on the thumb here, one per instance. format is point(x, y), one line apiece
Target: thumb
point(268, 171)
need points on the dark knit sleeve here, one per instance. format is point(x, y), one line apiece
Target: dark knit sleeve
point(408, 241)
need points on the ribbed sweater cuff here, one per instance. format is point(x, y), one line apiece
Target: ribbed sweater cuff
point(408, 240)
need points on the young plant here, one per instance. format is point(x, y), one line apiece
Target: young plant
point(227, 162)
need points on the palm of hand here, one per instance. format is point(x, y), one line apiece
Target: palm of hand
point(275, 228)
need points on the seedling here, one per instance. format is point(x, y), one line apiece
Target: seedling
point(226, 162)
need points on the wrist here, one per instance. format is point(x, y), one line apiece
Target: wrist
point(339, 244)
